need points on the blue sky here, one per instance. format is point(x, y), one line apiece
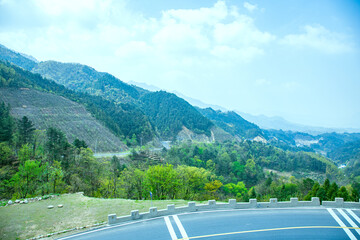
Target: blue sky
point(295, 59)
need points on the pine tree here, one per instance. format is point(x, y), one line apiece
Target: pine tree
point(26, 131)
point(6, 123)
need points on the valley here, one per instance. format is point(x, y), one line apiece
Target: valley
point(67, 128)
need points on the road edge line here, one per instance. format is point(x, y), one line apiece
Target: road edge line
point(170, 228)
point(337, 219)
point(181, 228)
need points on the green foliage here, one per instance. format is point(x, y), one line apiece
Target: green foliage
point(26, 180)
point(244, 161)
point(163, 181)
point(79, 143)
point(25, 153)
point(6, 154)
point(55, 175)
point(16, 58)
point(170, 113)
point(56, 145)
point(237, 190)
point(25, 130)
point(6, 122)
point(232, 123)
point(123, 119)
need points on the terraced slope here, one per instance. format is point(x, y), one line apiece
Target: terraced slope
point(49, 110)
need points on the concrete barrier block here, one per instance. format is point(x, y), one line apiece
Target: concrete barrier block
point(112, 218)
point(171, 208)
point(339, 202)
point(192, 206)
point(153, 211)
point(315, 201)
point(273, 202)
point(135, 214)
point(232, 203)
point(212, 203)
point(253, 203)
point(294, 202)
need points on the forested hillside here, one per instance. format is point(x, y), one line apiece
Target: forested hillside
point(167, 112)
point(83, 78)
point(170, 113)
point(47, 110)
point(124, 120)
point(232, 123)
point(17, 58)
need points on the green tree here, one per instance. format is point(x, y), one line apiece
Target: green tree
point(252, 193)
point(343, 193)
point(115, 169)
point(6, 154)
point(238, 190)
point(57, 147)
point(26, 131)
point(163, 181)
point(55, 175)
point(26, 180)
point(332, 192)
point(6, 123)
point(212, 187)
point(25, 153)
point(192, 181)
point(80, 143)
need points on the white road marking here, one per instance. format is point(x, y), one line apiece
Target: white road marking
point(353, 215)
point(181, 228)
point(337, 219)
point(349, 220)
point(170, 228)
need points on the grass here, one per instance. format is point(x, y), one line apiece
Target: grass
point(22, 221)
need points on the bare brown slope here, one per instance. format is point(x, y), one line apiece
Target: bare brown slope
point(49, 110)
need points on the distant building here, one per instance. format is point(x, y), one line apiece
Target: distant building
point(342, 166)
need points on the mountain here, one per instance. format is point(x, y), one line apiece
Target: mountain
point(279, 123)
point(47, 110)
point(130, 111)
point(192, 101)
point(83, 78)
point(170, 114)
point(148, 87)
point(123, 120)
point(198, 103)
point(232, 123)
point(338, 146)
point(19, 59)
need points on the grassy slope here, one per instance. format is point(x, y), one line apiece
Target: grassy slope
point(34, 219)
point(49, 110)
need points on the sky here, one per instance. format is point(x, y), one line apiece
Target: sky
point(296, 59)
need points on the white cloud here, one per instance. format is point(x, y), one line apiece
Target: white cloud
point(133, 49)
point(250, 7)
point(320, 38)
point(198, 16)
point(241, 32)
point(180, 39)
point(229, 54)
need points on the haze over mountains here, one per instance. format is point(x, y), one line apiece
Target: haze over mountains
point(138, 116)
point(265, 122)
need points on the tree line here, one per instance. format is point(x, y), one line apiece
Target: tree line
point(37, 162)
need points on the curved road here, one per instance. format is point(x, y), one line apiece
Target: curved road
point(294, 223)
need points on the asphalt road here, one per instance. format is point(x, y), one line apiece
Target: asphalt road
point(298, 223)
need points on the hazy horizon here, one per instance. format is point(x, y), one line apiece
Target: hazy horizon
point(297, 60)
